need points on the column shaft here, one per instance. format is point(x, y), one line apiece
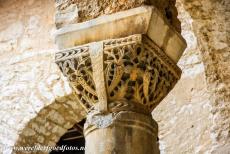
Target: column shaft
point(122, 132)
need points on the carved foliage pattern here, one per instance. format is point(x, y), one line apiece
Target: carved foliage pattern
point(76, 65)
point(135, 69)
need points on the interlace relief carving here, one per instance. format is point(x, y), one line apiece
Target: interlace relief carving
point(135, 69)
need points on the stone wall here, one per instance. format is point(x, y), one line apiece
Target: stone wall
point(194, 118)
point(76, 11)
point(212, 28)
point(184, 115)
point(32, 88)
point(210, 24)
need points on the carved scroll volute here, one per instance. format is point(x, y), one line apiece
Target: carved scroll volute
point(131, 68)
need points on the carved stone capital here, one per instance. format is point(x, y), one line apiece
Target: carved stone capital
point(132, 68)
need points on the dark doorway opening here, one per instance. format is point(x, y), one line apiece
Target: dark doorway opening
point(73, 138)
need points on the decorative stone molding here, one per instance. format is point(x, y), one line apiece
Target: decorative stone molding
point(131, 68)
point(143, 20)
point(105, 27)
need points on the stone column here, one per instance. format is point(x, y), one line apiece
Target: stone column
point(127, 128)
point(121, 66)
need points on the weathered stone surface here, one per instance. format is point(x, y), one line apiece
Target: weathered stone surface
point(212, 27)
point(133, 68)
point(168, 9)
point(29, 80)
point(171, 42)
point(189, 107)
point(105, 27)
point(51, 123)
point(184, 118)
point(143, 20)
point(33, 86)
point(122, 135)
point(89, 9)
point(66, 16)
point(24, 34)
point(93, 8)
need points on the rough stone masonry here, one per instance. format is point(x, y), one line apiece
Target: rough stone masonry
point(194, 116)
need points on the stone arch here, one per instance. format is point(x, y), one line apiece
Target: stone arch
point(47, 110)
point(51, 123)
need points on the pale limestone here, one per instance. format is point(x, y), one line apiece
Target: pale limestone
point(91, 9)
point(67, 16)
point(14, 31)
point(29, 80)
point(145, 20)
point(130, 78)
point(211, 26)
point(112, 81)
point(20, 68)
point(105, 27)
